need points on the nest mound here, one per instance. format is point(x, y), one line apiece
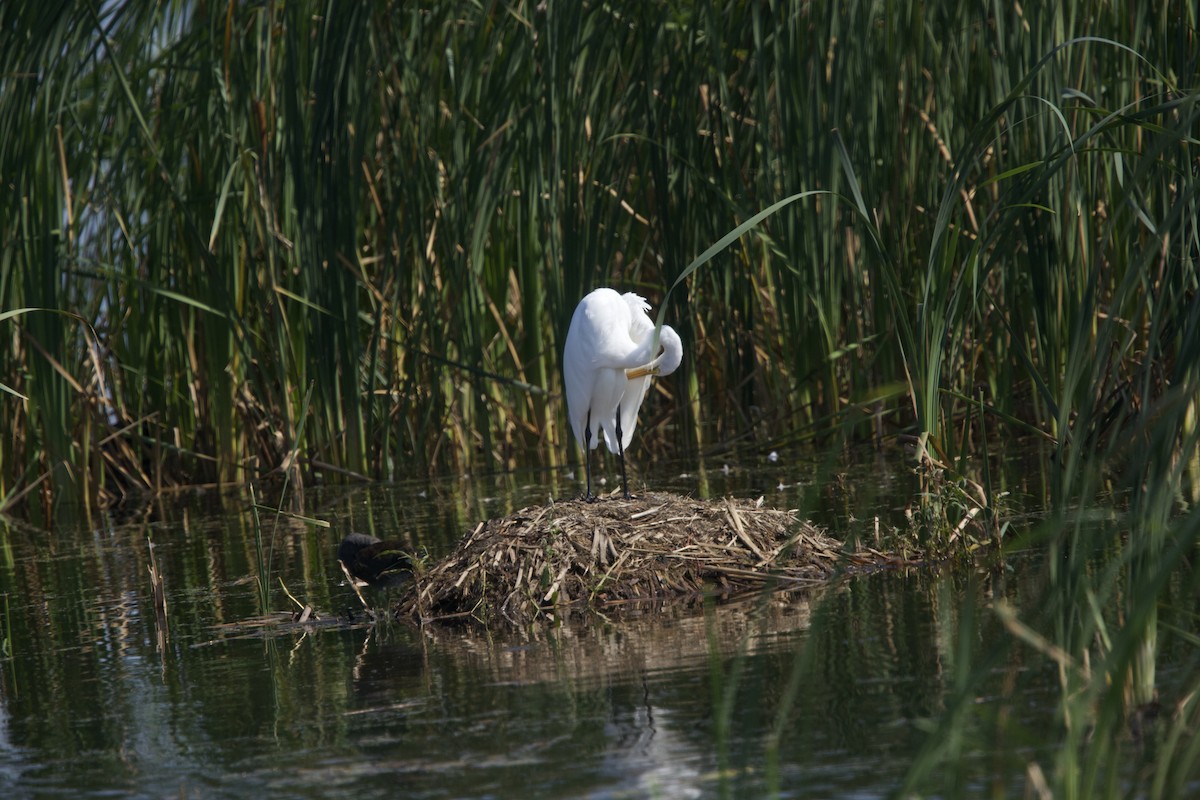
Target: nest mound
point(569, 554)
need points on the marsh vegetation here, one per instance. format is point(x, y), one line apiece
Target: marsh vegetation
point(325, 244)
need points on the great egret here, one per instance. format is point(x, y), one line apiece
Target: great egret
point(373, 561)
point(607, 366)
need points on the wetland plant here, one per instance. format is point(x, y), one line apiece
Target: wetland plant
point(400, 205)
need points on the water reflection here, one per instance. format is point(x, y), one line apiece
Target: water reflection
point(588, 709)
point(819, 694)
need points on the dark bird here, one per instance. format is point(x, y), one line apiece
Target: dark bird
point(374, 561)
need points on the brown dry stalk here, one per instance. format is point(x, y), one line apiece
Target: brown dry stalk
point(576, 554)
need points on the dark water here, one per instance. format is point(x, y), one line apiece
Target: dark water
point(823, 695)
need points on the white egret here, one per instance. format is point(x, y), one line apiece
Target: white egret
point(607, 366)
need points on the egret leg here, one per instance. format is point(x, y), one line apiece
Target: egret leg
point(587, 456)
point(621, 457)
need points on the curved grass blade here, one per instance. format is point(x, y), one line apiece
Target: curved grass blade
point(727, 240)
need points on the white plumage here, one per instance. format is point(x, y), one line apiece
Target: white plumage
point(607, 366)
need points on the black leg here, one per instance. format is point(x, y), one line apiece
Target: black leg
point(587, 456)
point(621, 456)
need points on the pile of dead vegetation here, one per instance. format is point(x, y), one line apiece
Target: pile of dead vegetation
point(545, 559)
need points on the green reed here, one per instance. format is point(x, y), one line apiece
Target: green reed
point(996, 237)
point(402, 206)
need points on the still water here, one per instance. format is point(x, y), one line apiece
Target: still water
point(819, 695)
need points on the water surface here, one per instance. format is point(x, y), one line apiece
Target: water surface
point(815, 695)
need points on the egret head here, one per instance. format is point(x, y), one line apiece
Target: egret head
point(667, 361)
point(672, 354)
